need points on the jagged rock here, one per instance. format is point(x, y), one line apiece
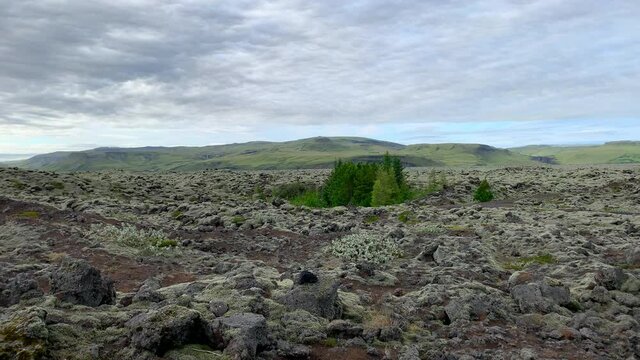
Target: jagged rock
point(24, 335)
point(611, 278)
point(77, 282)
point(319, 298)
point(540, 296)
point(288, 350)
point(161, 330)
point(22, 286)
point(343, 329)
point(148, 292)
point(475, 307)
point(218, 308)
point(409, 352)
point(243, 334)
point(302, 327)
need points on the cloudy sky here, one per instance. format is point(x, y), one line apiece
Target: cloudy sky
point(78, 74)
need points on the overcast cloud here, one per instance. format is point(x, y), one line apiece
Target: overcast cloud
point(78, 74)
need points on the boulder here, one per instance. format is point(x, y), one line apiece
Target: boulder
point(611, 278)
point(22, 286)
point(319, 298)
point(243, 334)
point(475, 307)
point(148, 291)
point(77, 282)
point(169, 327)
point(539, 296)
point(343, 329)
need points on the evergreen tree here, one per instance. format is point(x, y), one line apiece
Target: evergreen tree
point(483, 193)
point(385, 189)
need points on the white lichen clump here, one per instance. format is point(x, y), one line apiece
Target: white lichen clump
point(155, 241)
point(365, 247)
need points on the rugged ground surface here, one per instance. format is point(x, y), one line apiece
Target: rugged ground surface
point(549, 270)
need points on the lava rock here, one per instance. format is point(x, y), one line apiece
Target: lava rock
point(77, 282)
point(306, 277)
point(611, 278)
point(319, 298)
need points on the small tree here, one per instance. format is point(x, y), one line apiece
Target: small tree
point(385, 189)
point(483, 192)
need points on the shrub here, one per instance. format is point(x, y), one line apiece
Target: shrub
point(365, 247)
point(407, 217)
point(310, 198)
point(290, 191)
point(238, 220)
point(371, 219)
point(483, 192)
point(129, 236)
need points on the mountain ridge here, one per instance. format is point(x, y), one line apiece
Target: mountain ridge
point(320, 152)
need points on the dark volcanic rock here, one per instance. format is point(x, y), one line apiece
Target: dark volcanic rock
point(243, 334)
point(611, 278)
point(77, 282)
point(306, 277)
point(170, 327)
point(320, 298)
point(22, 286)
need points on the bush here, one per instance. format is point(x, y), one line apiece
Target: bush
point(365, 247)
point(151, 240)
point(310, 198)
point(483, 193)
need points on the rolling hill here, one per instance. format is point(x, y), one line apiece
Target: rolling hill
point(618, 152)
point(318, 152)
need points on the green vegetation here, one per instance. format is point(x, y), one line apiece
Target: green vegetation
point(330, 342)
point(407, 217)
point(483, 192)
point(148, 241)
point(18, 185)
point(318, 152)
point(371, 219)
point(522, 263)
point(353, 184)
point(238, 220)
point(29, 214)
point(57, 185)
point(177, 214)
point(618, 152)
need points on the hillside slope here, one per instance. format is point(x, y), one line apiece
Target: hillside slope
point(619, 152)
point(318, 152)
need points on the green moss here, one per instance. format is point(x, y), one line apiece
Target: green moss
point(17, 184)
point(330, 342)
point(522, 263)
point(371, 219)
point(407, 217)
point(29, 214)
point(57, 185)
point(166, 243)
point(238, 220)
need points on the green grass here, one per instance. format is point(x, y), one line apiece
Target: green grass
point(17, 184)
point(522, 263)
point(371, 219)
point(622, 152)
point(318, 152)
point(310, 198)
point(407, 217)
point(29, 214)
point(238, 220)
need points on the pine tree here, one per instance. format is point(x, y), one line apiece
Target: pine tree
point(385, 189)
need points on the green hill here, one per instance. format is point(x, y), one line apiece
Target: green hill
point(318, 152)
point(619, 152)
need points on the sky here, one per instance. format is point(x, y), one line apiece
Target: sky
point(78, 74)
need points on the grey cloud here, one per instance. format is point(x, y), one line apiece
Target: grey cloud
point(161, 63)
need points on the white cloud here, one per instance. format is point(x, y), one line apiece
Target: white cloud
point(69, 66)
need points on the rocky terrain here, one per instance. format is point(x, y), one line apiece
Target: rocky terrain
point(207, 265)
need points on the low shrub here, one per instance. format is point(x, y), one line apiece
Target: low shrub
point(483, 192)
point(522, 263)
point(365, 247)
point(310, 198)
point(407, 217)
point(151, 240)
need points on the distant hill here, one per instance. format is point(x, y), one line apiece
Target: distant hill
point(617, 152)
point(318, 152)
